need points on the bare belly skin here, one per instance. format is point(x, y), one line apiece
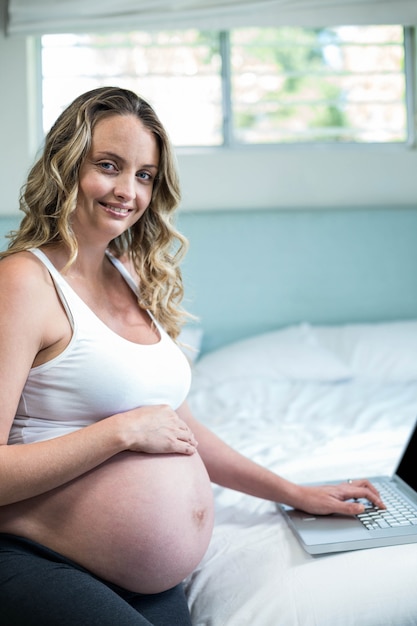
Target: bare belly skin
point(140, 521)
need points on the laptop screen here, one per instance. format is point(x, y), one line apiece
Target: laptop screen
point(406, 468)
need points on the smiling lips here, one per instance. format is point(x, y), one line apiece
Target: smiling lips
point(119, 210)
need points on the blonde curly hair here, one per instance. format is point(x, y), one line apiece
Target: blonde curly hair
point(50, 194)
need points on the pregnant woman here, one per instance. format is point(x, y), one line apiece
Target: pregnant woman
point(105, 495)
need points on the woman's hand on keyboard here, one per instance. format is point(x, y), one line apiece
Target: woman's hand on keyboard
point(346, 498)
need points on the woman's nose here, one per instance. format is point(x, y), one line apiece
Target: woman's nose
point(125, 187)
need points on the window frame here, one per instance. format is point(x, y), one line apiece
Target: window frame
point(410, 70)
point(229, 141)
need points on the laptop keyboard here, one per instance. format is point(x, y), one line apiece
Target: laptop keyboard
point(399, 512)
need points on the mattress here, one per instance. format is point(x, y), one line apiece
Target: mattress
point(312, 403)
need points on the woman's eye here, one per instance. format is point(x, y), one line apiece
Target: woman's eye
point(108, 167)
point(145, 176)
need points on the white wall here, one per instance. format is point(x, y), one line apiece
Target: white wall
point(301, 177)
point(253, 178)
point(15, 140)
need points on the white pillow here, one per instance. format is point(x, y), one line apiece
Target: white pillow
point(381, 351)
point(291, 353)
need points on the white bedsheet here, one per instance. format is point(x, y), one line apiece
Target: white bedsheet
point(255, 572)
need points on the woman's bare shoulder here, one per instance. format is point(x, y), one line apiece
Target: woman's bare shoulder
point(23, 272)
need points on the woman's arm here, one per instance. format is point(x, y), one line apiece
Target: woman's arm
point(32, 321)
point(229, 468)
point(28, 470)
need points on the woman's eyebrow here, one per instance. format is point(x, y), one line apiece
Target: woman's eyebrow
point(108, 153)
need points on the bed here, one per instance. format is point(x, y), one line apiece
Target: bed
point(313, 403)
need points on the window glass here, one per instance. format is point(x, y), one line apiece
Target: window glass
point(177, 72)
point(246, 86)
point(334, 84)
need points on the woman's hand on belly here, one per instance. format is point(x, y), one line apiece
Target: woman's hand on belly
point(156, 430)
point(31, 470)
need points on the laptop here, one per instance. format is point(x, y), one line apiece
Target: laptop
point(324, 534)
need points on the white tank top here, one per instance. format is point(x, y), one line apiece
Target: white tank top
point(98, 374)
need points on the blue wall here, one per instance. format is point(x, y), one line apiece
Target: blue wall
point(251, 271)
point(6, 225)
point(247, 272)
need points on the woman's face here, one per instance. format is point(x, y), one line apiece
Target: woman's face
point(116, 178)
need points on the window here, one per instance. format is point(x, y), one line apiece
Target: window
point(341, 84)
point(179, 73)
point(247, 86)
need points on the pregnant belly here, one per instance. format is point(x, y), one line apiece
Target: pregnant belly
point(140, 521)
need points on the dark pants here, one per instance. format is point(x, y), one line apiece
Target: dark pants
point(39, 587)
